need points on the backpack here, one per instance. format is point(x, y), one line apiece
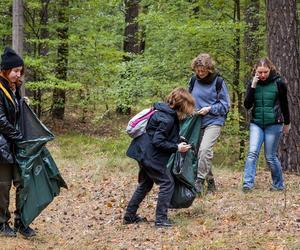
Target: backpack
point(137, 124)
point(218, 84)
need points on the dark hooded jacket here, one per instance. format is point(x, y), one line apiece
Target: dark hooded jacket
point(154, 148)
point(9, 114)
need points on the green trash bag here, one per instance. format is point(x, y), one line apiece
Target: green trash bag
point(183, 166)
point(40, 177)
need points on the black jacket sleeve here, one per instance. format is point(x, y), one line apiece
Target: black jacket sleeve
point(283, 101)
point(160, 137)
point(6, 128)
point(249, 99)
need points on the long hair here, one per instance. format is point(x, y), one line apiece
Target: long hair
point(265, 62)
point(181, 101)
point(204, 60)
point(5, 73)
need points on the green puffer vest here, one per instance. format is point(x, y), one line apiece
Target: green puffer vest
point(265, 101)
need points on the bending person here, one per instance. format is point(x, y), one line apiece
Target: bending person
point(153, 149)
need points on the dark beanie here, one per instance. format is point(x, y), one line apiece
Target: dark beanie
point(10, 59)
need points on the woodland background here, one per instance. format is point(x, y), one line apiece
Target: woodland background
point(94, 60)
point(91, 65)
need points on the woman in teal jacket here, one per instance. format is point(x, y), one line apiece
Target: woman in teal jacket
point(267, 97)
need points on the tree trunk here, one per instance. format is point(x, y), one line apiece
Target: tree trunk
point(251, 50)
point(252, 26)
point(236, 76)
point(131, 33)
point(18, 31)
point(59, 95)
point(42, 50)
point(133, 42)
point(283, 50)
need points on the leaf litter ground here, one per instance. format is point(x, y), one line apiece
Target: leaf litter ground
point(89, 214)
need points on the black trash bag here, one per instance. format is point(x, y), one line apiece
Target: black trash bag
point(183, 166)
point(40, 177)
point(183, 196)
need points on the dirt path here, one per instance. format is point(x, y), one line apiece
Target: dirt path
point(88, 216)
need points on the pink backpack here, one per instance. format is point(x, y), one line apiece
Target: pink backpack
point(137, 124)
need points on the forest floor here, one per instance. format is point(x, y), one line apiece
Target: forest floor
point(89, 214)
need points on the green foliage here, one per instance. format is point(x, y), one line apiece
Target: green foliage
point(175, 33)
point(173, 38)
point(99, 78)
point(5, 22)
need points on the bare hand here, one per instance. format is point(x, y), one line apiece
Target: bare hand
point(27, 100)
point(286, 129)
point(254, 81)
point(183, 147)
point(204, 110)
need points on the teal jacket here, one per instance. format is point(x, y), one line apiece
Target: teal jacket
point(268, 101)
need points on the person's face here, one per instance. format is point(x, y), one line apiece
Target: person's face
point(201, 71)
point(15, 74)
point(262, 73)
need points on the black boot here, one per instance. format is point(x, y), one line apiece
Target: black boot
point(164, 223)
point(199, 186)
point(132, 219)
point(211, 186)
point(6, 230)
point(25, 231)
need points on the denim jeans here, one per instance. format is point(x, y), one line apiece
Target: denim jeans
point(270, 136)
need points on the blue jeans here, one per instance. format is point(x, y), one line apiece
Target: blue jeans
point(270, 136)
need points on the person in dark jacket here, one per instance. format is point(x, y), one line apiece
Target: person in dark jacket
point(12, 69)
point(267, 97)
point(212, 103)
point(153, 149)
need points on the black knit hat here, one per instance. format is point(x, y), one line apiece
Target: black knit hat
point(10, 59)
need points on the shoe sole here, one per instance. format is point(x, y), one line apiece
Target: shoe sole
point(161, 226)
point(9, 236)
point(26, 236)
point(134, 222)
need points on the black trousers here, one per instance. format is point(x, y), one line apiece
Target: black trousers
point(8, 174)
point(146, 178)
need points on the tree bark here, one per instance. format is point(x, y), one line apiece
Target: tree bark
point(131, 33)
point(283, 50)
point(252, 26)
point(236, 77)
point(134, 42)
point(251, 53)
point(42, 48)
point(18, 31)
point(59, 95)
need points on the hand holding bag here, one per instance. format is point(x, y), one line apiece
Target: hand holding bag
point(6, 156)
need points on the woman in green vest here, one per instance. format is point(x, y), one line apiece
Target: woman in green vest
point(267, 97)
